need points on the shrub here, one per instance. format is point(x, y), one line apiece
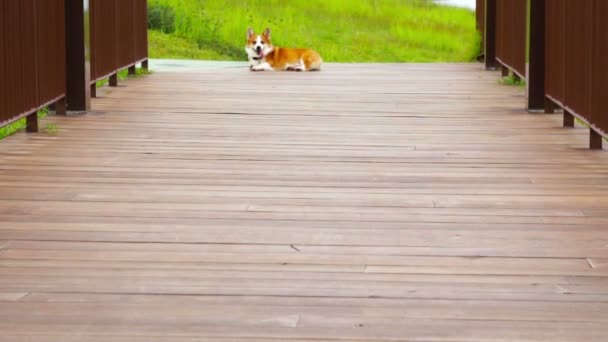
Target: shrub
point(161, 17)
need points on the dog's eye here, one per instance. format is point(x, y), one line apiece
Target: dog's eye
point(262, 43)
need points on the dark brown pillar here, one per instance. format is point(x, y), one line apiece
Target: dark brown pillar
point(568, 119)
point(595, 140)
point(31, 123)
point(78, 55)
point(114, 80)
point(60, 107)
point(536, 55)
point(490, 35)
point(549, 106)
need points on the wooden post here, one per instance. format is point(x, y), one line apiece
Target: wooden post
point(93, 90)
point(480, 17)
point(504, 70)
point(78, 55)
point(31, 123)
point(144, 65)
point(132, 70)
point(490, 35)
point(595, 140)
point(568, 119)
point(549, 106)
point(535, 55)
point(60, 107)
point(114, 80)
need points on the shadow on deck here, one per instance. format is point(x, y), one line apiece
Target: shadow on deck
point(364, 202)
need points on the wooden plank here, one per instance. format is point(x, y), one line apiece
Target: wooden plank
point(491, 248)
point(299, 308)
point(338, 329)
point(373, 263)
point(12, 296)
point(310, 239)
point(370, 307)
point(106, 212)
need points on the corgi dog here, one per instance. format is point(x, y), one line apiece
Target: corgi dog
point(263, 56)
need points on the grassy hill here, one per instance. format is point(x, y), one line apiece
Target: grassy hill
point(342, 30)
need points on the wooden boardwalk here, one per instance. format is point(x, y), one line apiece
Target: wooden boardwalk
point(361, 203)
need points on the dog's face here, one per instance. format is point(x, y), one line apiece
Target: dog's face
point(258, 46)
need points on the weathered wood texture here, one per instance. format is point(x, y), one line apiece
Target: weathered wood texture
point(361, 203)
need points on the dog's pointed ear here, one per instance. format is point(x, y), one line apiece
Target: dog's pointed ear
point(250, 33)
point(267, 32)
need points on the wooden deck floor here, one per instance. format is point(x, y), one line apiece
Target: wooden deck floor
point(362, 203)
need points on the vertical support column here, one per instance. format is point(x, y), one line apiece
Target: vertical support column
point(504, 71)
point(568, 119)
point(78, 55)
point(535, 55)
point(480, 17)
point(595, 140)
point(114, 80)
point(132, 70)
point(93, 90)
point(549, 106)
point(490, 35)
point(60, 107)
point(144, 65)
point(31, 123)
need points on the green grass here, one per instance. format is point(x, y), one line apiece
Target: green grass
point(51, 129)
point(341, 30)
point(511, 80)
point(19, 125)
point(170, 46)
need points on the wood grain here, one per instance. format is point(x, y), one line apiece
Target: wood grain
point(376, 203)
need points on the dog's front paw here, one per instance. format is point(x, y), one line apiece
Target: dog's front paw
point(261, 67)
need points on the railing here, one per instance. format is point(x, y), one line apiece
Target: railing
point(32, 59)
point(511, 35)
point(502, 23)
point(560, 47)
point(44, 47)
point(577, 57)
point(119, 36)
